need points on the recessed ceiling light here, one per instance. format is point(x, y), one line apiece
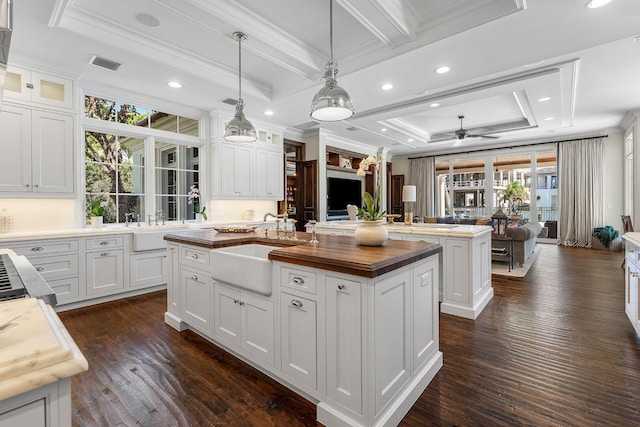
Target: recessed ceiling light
point(544, 98)
point(174, 84)
point(443, 69)
point(434, 105)
point(593, 4)
point(383, 130)
point(268, 113)
point(386, 86)
point(147, 20)
point(548, 118)
point(410, 140)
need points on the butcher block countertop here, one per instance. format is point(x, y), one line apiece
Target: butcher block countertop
point(35, 348)
point(334, 253)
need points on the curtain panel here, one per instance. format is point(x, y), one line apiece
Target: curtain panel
point(422, 174)
point(581, 190)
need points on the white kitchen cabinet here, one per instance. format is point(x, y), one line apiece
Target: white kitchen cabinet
point(24, 85)
point(344, 342)
point(46, 406)
point(245, 321)
point(36, 151)
point(234, 170)
point(298, 334)
point(173, 274)
point(57, 261)
point(424, 305)
point(148, 269)
point(632, 272)
point(269, 174)
point(196, 290)
point(105, 272)
point(268, 137)
point(421, 238)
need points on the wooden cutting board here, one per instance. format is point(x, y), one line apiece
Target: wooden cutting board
point(28, 340)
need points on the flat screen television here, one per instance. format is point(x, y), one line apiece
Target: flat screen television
point(342, 192)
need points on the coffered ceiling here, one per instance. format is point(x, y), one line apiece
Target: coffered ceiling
point(519, 70)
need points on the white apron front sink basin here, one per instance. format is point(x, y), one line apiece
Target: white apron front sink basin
point(245, 266)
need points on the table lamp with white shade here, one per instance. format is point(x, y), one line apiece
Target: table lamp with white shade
point(408, 196)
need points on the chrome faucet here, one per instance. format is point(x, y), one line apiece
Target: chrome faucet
point(128, 217)
point(313, 240)
point(160, 214)
point(282, 216)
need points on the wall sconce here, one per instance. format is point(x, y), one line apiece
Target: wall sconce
point(408, 196)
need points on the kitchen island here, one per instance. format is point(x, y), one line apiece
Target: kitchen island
point(466, 252)
point(352, 328)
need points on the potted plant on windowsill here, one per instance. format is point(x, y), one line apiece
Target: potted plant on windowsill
point(97, 212)
point(370, 231)
point(194, 198)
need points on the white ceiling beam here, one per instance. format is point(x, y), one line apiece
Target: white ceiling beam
point(265, 38)
point(393, 22)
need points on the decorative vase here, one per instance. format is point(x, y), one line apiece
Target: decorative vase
point(199, 218)
point(371, 233)
point(6, 221)
point(96, 221)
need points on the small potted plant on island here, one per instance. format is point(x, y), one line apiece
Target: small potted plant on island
point(370, 231)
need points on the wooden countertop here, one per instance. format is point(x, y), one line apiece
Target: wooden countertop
point(334, 253)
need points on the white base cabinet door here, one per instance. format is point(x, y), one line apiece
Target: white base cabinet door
point(196, 297)
point(344, 342)
point(424, 301)
point(105, 272)
point(148, 269)
point(298, 326)
point(245, 321)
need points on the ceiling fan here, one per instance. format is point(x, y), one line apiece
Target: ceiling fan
point(464, 133)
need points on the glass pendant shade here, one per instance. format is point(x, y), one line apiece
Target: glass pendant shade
point(239, 129)
point(331, 103)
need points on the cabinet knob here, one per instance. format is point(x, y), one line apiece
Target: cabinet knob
point(298, 280)
point(296, 303)
point(104, 254)
point(104, 243)
point(241, 302)
point(194, 277)
point(194, 256)
point(37, 248)
point(39, 268)
point(36, 185)
point(341, 286)
point(27, 185)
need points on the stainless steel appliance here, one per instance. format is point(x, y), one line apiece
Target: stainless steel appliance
point(18, 279)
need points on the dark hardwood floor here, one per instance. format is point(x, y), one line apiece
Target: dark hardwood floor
point(551, 349)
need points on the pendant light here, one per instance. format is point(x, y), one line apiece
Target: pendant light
point(239, 129)
point(331, 103)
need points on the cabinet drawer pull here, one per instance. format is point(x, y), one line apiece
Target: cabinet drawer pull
point(37, 248)
point(104, 254)
point(194, 277)
point(298, 280)
point(194, 256)
point(341, 286)
point(235, 301)
point(241, 302)
point(39, 268)
point(296, 303)
point(104, 243)
point(29, 85)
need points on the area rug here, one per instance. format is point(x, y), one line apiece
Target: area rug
point(502, 268)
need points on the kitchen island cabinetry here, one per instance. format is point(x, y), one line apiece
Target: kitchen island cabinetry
point(466, 285)
point(352, 328)
point(195, 285)
point(632, 272)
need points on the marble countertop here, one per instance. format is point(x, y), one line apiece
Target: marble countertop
point(451, 230)
point(116, 229)
point(35, 347)
point(632, 237)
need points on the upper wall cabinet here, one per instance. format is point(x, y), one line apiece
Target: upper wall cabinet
point(24, 85)
point(253, 170)
point(36, 151)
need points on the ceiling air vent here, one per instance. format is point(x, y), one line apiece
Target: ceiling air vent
point(104, 63)
point(230, 101)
